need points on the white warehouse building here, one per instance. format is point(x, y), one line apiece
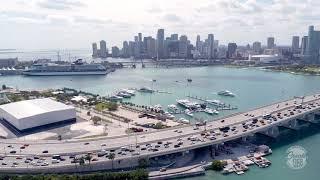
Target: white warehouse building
point(264, 58)
point(29, 115)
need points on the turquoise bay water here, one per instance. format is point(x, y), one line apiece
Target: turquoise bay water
point(253, 87)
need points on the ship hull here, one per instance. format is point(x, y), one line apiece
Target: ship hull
point(65, 73)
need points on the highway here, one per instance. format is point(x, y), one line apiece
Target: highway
point(180, 139)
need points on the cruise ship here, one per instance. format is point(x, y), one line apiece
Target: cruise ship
point(75, 68)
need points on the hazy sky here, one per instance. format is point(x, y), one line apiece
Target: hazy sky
point(42, 24)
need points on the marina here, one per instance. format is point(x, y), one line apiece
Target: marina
point(216, 103)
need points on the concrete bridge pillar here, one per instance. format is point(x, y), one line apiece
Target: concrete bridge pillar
point(216, 146)
point(311, 117)
point(292, 124)
point(274, 131)
point(271, 132)
point(244, 138)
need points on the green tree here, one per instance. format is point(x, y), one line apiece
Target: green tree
point(159, 125)
point(4, 87)
point(217, 165)
point(96, 120)
point(81, 161)
point(111, 157)
point(143, 163)
point(88, 158)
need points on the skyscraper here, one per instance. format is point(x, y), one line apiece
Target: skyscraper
point(198, 43)
point(183, 46)
point(304, 44)
point(94, 50)
point(295, 44)
point(232, 48)
point(270, 43)
point(160, 43)
point(174, 37)
point(151, 47)
point(115, 51)
point(313, 46)
point(125, 49)
point(140, 45)
point(210, 46)
point(103, 49)
point(256, 47)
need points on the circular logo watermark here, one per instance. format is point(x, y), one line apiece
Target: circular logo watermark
point(296, 157)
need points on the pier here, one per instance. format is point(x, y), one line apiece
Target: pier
point(219, 107)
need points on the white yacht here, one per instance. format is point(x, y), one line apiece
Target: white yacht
point(124, 95)
point(211, 111)
point(146, 90)
point(183, 120)
point(226, 93)
point(115, 98)
point(173, 107)
point(188, 112)
point(157, 106)
point(215, 102)
point(208, 111)
point(169, 116)
point(128, 91)
point(188, 104)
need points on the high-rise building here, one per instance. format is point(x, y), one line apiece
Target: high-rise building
point(103, 49)
point(174, 37)
point(140, 37)
point(232, 48)
point(295, 44)
point(94, 50)
point(313, 46)
point(256, 47)
point(160, 43)
point(183, 46)
point(198, 43)
point(140, 44)
point(131, 48)
point(151, 47)
point(210, 47)
point(270, 43)
point(125, 49)
point(115, 51)
point(304, 44)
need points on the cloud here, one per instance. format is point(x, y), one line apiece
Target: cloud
point(155, 9)
point(60, 4)
point(22, 17)
point(172, 18)
point(88, 20)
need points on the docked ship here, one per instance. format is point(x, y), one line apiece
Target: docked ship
point(76, 68)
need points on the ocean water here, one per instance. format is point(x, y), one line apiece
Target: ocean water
point(253, 87)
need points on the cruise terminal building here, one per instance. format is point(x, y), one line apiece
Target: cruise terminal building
point(35, 114)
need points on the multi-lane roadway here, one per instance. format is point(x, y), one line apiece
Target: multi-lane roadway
point(22, 155)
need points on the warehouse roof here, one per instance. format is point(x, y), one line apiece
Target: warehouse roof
point(33, 107)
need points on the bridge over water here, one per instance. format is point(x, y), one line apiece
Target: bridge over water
point(264, 120)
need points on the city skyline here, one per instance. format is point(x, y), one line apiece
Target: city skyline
point(76, 23)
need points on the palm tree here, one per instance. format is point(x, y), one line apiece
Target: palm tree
point(88, 157)
point(111, 157)
point(81, 161)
